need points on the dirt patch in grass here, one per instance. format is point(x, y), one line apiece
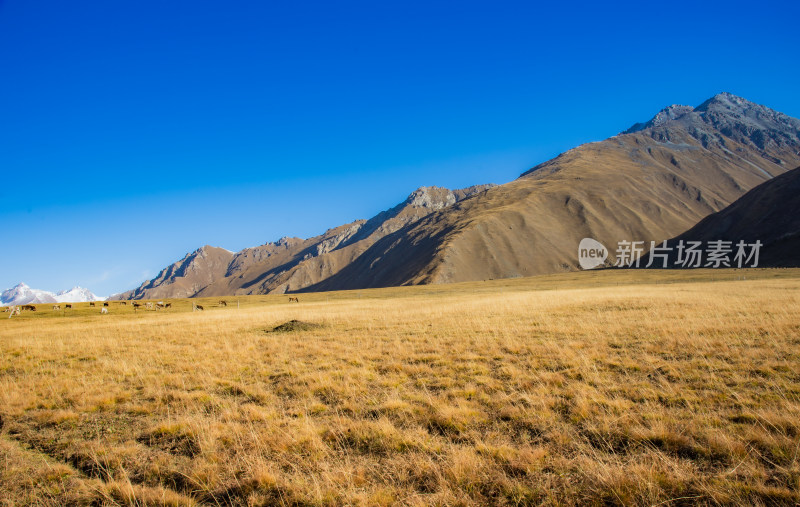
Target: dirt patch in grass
point(175, 439)
point(293, 326)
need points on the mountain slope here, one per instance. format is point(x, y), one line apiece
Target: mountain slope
point(767, 213)
point(185, 277)
point(651, 183)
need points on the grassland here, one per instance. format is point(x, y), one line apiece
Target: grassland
point(616, 387)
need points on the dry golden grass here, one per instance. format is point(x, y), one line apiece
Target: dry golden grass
point(592, 388)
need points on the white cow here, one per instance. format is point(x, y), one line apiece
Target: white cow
point(103, 310)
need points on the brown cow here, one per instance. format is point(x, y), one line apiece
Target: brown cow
point(296, 300)
point(29, 307)
point(198, 308)
point(168, 305)
point(105, 303)
point(56, 307)
point(67, 306)
point(124, 303)
point(222, 302)
point(91, 303)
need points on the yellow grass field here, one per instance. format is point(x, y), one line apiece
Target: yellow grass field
point(610, 387)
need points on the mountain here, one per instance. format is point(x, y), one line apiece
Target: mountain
point(290, 264)
point(767, 213)
point(650, 182)
point(77, 295)
point(22, 295)
point(186, 277)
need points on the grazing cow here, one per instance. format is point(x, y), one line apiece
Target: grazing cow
point(296, 300)
point(123, 303)
point(14, 311)
point(56, 307)
point(29, 307)
point(222, 302)
point(160, 305)
point(198, 308)
point(103, 310)
point(136, 306)
point(68, 306)
point(105, 303)
point(91, 303)
point(168, 305)
point(148, 305)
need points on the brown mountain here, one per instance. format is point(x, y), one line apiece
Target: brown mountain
point(653, 181)
point(650, 183)
point(184, 278)
point(769, 213)
point(291, 264)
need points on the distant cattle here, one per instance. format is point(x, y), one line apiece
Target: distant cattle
point(296, 300)
point(123, 303)
point(14, 311)
point(29, 307)
point(198, 308)
point(67, 306)
point(136, 305)
point(6, 309)
point(103, 310)
point(105, 303)
point(222, 302)
point(168, 305)
point(148, 305)
point(56, 307)
point(91, 303)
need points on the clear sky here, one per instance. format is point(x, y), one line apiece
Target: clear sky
point(133, 132)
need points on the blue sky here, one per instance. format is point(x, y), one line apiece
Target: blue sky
point(134, 132)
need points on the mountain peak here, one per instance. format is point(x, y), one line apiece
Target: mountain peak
point(726, 115)
point(725, 99)
point(667, 114)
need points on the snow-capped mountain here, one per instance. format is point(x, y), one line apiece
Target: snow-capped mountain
point(76, 295)
point(24, 295)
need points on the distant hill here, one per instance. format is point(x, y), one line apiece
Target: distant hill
point(653, 181)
